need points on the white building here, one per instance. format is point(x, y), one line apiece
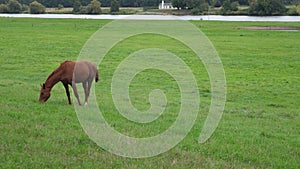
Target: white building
point(164, 5)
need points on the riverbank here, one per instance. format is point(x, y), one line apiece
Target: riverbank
point(162, 17)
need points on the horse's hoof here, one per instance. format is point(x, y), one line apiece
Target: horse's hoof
point(85, 104)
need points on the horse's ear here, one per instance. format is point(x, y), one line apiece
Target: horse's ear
point(44, 86)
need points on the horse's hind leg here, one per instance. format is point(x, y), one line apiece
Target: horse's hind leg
point(75, 92)
point(85, 87)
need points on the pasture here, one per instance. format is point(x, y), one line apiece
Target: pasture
point(259, 128)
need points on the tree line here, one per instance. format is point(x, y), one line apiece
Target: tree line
point(13, 6)
point(141, 3)
point(104, 3)
point(35, 7)
point(256, 7)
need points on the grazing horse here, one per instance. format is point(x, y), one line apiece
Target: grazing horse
point(70, 73)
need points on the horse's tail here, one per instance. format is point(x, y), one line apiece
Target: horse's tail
point(93, 68)
point(96, 77)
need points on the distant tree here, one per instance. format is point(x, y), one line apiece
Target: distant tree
point(196, 11)
point(105, 3)
point(293, 11)
point(114, 6)
point(243, 2)
point(266, 7)
point(60, 6)
point(192, 4)
point(3, 8)
point(128, 3)
point(146, 3)
point(94, 7)
point(212, 2)
point(85, 2)
point(76, 6)
point(218, 4)
point(83, 10)
point(25, 7)
point(187, 3)
point(234, 6)
point(14, 6)
point(291, 2)
point(36, 8)
point(252, 2)
point(226, 7)
point(204, 6)
point(179, 4)
point(278, 7)
point(201, 5)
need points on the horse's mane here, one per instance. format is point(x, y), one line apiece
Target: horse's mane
point(55, 71)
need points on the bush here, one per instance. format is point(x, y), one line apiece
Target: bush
point(14, 6)
point(229, 7)
point(293, 11)
point(234, 6)
point(3, 8)
point(196, 11)
point(36, 8)
point(94, 7)
point(83, 10)
point(60, 6)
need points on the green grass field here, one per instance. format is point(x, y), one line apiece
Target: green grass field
point(259, 128)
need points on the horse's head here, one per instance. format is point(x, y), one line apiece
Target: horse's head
point(44, 93)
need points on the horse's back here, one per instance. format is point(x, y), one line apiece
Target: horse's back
point(84, 71)
point(81, 70)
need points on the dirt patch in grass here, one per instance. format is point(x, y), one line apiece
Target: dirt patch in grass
point(281, 28)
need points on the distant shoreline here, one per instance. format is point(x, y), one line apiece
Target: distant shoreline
point(161, 17)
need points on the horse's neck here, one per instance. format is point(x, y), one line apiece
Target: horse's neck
point(54, 78)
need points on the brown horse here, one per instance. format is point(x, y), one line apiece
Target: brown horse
point(70, 73)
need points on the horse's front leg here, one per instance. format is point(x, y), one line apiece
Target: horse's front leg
point(67, 92)
point(75, 92)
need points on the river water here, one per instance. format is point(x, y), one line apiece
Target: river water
point(162, 17)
